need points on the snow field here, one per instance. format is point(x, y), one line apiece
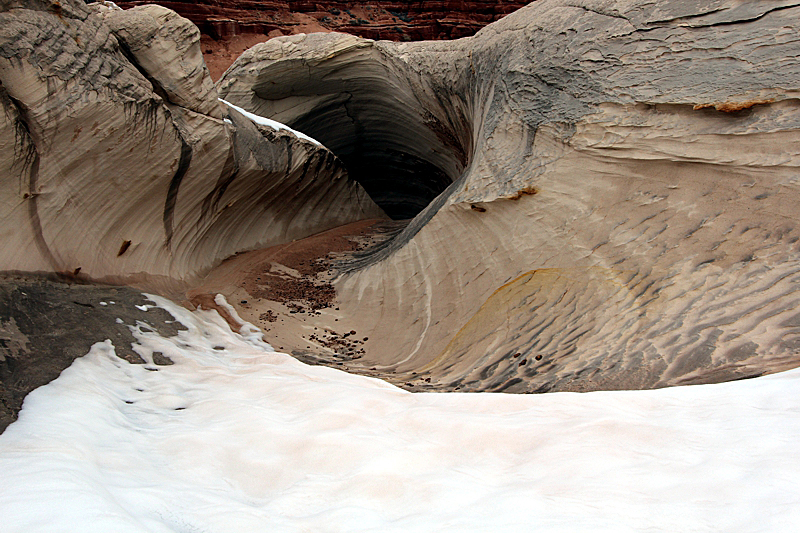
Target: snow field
point(235, 438)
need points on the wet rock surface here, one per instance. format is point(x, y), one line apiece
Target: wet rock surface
point(45, 324)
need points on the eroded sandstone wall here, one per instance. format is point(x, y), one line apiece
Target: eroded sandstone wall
point(625, 213)
point(119, 162)
point(231, 27)
point(604, 193)
point(378, 19)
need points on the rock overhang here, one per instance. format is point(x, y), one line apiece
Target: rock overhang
point(404, 140)
point(606, 222)
point(96, 117)
point(601, 164)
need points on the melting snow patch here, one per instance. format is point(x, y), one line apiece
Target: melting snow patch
point(249, 440)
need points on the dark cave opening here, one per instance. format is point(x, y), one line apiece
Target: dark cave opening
point(404, 142)
point(402, 161)
point(400, 183)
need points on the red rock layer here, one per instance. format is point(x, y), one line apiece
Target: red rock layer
point(230, 27)
point(378, 19)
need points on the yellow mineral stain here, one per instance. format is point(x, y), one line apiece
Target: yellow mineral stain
point(493, 322)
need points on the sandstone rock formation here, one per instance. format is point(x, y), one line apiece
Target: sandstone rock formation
point(229, 28)
point(384, 123)
point(616, 179)
point(378, 19)
point(165, 46)
point(120, 163)
point(600, 193)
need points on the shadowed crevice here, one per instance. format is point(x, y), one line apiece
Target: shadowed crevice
point(172, 193)
point(229, 172)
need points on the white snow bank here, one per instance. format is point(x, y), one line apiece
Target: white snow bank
point(236, 438)
point(275, 125)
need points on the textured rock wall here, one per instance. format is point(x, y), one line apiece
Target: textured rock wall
point(603, 192)
point(623, 217)
point(119, 162)
point(376, 19)
point(381, 117)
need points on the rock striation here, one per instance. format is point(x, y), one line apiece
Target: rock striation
point(615, 187)
point(587, 194)
point(230, 27)
point(120, 163)
point(378, 19)
point(383, 120)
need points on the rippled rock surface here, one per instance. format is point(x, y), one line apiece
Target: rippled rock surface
point(587, 195)
point(616, 188)
point(120, 163)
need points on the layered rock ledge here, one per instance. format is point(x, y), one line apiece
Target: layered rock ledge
point(230, 27)
point(378, 19)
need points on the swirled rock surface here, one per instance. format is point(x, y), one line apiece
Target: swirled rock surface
point(119, 162)
point(614, 190)
point(588, 194)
